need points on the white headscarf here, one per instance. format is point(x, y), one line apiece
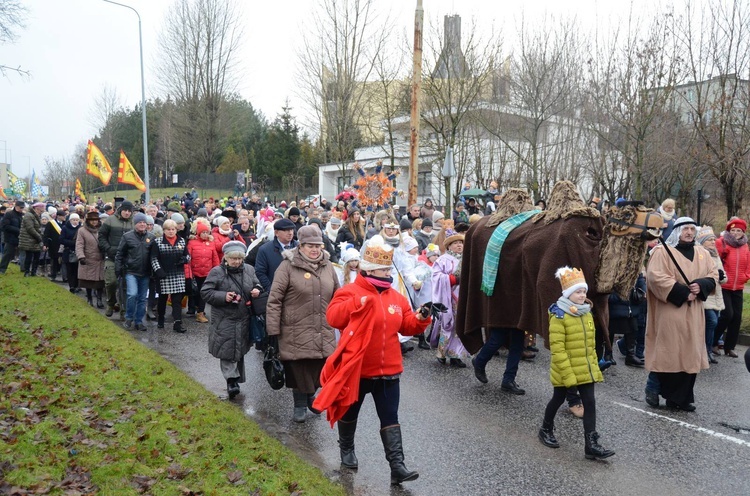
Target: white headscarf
point(674, 237)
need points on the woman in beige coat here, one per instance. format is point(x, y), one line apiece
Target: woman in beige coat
point(90, 260)
point(303, 285)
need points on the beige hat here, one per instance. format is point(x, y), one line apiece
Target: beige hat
point(310, 235)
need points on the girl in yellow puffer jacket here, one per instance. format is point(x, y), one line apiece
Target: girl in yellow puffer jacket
point(573, 359)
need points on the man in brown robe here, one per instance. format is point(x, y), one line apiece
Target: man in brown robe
point(675, 329)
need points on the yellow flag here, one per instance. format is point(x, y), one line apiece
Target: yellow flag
point(128, 175)
point(97, 165)
point(79, 190)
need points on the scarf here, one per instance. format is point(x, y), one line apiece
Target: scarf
point(664, 215)
point(227, 232)
point(393, 241)
point(312, 261)
point(331, 232)
point(495, 244)
point(734, 242)
point(571, 308)
point(457, 256)
point(380, 283)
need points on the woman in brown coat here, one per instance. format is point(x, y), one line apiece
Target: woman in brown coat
point(90, 260)
point(303, 285)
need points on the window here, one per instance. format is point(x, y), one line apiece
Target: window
point(424, 183)
point(342, 182)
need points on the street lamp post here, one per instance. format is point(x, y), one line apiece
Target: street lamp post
point(143, 102)
point(448, 172)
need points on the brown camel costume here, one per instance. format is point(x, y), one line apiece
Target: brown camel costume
point(568, 233)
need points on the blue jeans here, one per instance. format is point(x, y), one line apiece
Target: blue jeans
point(712, 320)
point(137, 291)
point(498, 337)
point(652, 383)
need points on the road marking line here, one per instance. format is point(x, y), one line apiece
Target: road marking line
point(719, 435)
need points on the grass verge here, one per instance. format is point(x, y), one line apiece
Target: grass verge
point(85, 409)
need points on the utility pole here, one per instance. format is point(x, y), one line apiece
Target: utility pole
point(416, 85)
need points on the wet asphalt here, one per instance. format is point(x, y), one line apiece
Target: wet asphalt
point(465, 437)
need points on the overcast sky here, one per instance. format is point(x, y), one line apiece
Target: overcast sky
point(74, 47)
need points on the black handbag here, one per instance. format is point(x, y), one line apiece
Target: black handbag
point(258, 304)
point(273, 367)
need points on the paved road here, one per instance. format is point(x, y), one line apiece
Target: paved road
point(467, 438)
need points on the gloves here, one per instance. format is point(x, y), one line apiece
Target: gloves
point(82, 261)
point(160, 273)
point(185, 259)
point(721, 274)
point(273, 342)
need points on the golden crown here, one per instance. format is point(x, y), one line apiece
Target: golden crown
point(570, 277)
point(377, 255)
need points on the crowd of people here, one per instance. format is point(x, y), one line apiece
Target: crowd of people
point(340, 292)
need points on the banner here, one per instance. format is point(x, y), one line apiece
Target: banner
point(36, 186)
point(17, 184)
point(97, 165)
point(79, 190)
point(127, 174)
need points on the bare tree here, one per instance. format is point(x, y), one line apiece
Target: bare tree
point(336, 61)
point(630, 79)
point(198, 69)
point(13, 16)
point(716, 103)
point(102, 114)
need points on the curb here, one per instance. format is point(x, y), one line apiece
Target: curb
point(744, 339)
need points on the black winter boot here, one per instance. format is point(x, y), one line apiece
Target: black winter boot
point(89, 297)
point(233, 388)
point(394, 453)
point(346, 444)
point(300, 406)
point(594, 451)
point(630, 358)
point(99, 302)
point(177, 327)
point(310, 400)
point(547, 435)
point(423, 344)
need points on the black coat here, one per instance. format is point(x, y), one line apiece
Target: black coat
point(51, 238)
point(133, 254)
point(625, 309)
point(68, 239)
point(10, 225)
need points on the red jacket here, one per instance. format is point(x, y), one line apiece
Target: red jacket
point(736, 263)
point(203, 256)
point(369, 345)
point(220, 240)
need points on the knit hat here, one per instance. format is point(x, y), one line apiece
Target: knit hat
point(404, 224)
point(705, 233)
point(173, 207)
point(149, 220)
point(103, 216)
point(436, 216)
point(202, 212)
point(282, 204)
point(293, 211)
point(571, 280)
point(310, 235)
point(432, 249)
point(233, 247)
point(409, 243)
point(52, 210)
point(377, 255)
point(279, 212)
point(426, 223)
point(335, 221)
point(283, 225)
point(349, 254)
point(178, 218)
point(737, 222)
point(139, 217)
point(39, 205)
point(126, 205)
point(74, 216)
point(45, 215)
point(218, 221)
point(201, 228)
